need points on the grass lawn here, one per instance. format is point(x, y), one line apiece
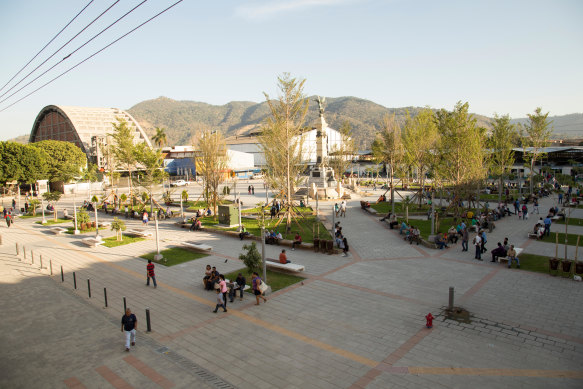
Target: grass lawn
point(50, 222)
point(276, 280)
point(571, 239)
point(539, 264)
point(301, 210)
point(572, 221)
point(194, 205)
point(71, 230)
point(252, 226)
point(113, 242)
point(174, 256)
point(425, 225)
point(385, 207)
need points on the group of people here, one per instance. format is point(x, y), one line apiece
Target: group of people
point(251, 189)
point(340, 210)
point(340, 239)
point(272, 237)
point(227, 290)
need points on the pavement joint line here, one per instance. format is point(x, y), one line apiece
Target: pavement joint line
point(261, 323)
point(474, 289)
point(115, 380)
point(147, 371)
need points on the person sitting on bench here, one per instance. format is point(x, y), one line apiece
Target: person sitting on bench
point(403, 228)
point(452, 235)
point(237, 285)
point(498, 252)
point(283, 258)
point(297, 240)
point(511, 254)
point(243, 233)
point(439, 241)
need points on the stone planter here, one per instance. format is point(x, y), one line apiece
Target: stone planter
point(316, 245)
point(566, 266)
point(579, 268)
point(554, 264)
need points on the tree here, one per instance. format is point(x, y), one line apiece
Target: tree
point(501, 144)
point(538, 129)
point(90, 174)
point(252, 258)
point(388, 148)
point(211, 161)
point(341, 154)
point(123, 149)
point(22, 163)
point(461, 152)
point(53, 197)
point(118, 226)
point(152, 172)
point(65, 160)
point(160, 137)
point(282, 141)
point(420, 138)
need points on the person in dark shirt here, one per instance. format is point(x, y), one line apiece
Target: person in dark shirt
point(129, 325)
point(240, 282)
point(150, 274)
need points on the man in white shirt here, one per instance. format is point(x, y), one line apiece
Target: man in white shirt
point(478, 244)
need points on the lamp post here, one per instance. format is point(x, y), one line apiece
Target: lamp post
point(97, 236)
point(263, 253)
point(158, 256)
point(181, 209)
point(19, 207)
point(44, 221)
point(239, 204)
point(76, 231)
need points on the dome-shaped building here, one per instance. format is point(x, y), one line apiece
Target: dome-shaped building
point(88, 128)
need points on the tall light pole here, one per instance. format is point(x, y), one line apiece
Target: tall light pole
point(44, 221)
point(239, 204)
point(263, 253)
point(76, 231)
point(97, 236)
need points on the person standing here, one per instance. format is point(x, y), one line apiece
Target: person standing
point(478, 244)
point(145, 218)
point(547, 223)
point(465, 239)
point(221, 303)
point(343, 208)
point(256, 291)
point(150, 274)
point(129, 325)
point(252, 189)
point(9, 219)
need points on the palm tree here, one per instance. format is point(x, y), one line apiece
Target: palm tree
point(160, 137)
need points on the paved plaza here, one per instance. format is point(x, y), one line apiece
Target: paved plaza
point(354, 322)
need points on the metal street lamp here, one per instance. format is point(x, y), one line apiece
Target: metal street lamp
point(97, 236)
point(44, 221)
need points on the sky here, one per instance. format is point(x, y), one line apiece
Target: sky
point(505, 57)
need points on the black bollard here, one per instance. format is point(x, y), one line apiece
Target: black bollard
point(31, 257)
point(124, 304)
point(41, 261)
point(149, 327)
point(24, 252)
point(62, 275)
point(74, 280)
point(89, 287)
point(0, 239)
point(51, 266)
point(17, 251)
point(451, 297)
point(105, 296)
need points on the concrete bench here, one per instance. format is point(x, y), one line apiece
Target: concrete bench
point(141, 232)
point(197, 246)
point(532, 235)
point(58, 230)
point(288, 266)
point(104, 224)
point(505, 259)
point(91, 242)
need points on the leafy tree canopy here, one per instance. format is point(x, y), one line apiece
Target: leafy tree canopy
point(23, 163)
point(65, 160)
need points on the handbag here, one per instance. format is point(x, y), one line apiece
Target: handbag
point(263, 287)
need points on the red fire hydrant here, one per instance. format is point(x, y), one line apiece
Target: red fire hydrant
point(429, 319)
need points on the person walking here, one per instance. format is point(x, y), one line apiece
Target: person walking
point(224, 289)
point(465, 239)
point(343, 208)
point(145, 218)
point(150, 274)
point(252, 189)
point(221, 303)
point(129, 325)
point(9, 219)
point(484, 241)
point(478, 244)
point(256, 291)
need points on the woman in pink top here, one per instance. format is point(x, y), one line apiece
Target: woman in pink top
point(223, 288)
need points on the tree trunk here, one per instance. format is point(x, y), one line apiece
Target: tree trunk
point(392, 193)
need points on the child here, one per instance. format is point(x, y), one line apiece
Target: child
point(220, 302)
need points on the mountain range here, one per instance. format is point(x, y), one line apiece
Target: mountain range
point(182, 119)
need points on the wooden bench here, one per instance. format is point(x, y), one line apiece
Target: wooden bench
point(288, 266)
point(141, 232)
point(58, 230)
point(197, 246)
point(91, 242)
point(505, 259)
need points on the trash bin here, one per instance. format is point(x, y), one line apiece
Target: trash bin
point(316, 244)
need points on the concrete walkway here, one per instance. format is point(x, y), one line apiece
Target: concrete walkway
point(355, 321)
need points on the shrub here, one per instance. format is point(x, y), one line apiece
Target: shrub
point(252, 258)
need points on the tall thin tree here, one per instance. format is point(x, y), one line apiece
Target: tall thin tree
point(538, 130)
point(500, 144)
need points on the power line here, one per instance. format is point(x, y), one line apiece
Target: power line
point(41, 50)
point(70, 54)
point(91, 56)
point(60, 48)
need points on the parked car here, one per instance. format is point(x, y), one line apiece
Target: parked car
point(179, 183)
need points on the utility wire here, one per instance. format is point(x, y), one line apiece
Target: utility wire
point(70, 54)
point(60, 48)
point(41, 50)
point(92, 55)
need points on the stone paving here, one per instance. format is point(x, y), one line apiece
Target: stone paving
point(355, 322)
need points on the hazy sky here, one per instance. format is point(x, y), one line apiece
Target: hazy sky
point(500, 56)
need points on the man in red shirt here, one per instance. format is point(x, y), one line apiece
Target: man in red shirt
point(150, 274)
point(283, 258)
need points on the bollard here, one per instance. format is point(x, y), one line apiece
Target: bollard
point(450, 298)
point(89, 287)
point(51, 265)
point(0, 239)
point(24, 252)
point(105, 296)
point(41, 261)
point(32, 257)
point(62, 275)
point(124, 304)
point(17, 251)
point(149, 327)
point(74, 280)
